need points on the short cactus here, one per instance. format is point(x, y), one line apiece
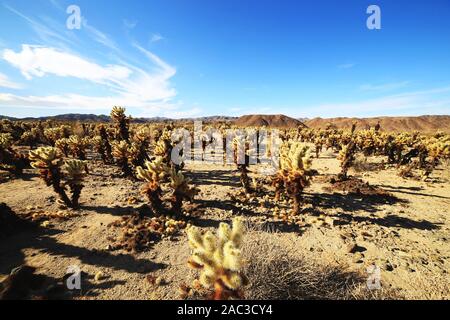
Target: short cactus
point(219, 258)
point(49, 161)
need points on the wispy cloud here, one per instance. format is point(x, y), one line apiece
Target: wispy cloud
point(143, 84)
point(129, 24)
point(134, 87)
point(6, 83)
point(156, 37)
point(432, 101)
point(346, 65)
point(47, 35)
point(384, 86)
point(38, 61)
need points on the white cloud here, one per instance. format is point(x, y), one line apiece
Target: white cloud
point(156, 37)
point(418, 102)
point(6, 83)
point(39, 61)
point(130, 24)
point(346, 65)
point(133, 86)
point(384, 86)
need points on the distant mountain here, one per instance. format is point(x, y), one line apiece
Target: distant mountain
point(274, 121)
point(105, 118)
point(428, 124)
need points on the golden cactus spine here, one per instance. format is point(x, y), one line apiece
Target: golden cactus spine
point(219, 259)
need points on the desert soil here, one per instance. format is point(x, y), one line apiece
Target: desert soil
point(406, 236)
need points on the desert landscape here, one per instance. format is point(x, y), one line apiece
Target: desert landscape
point(341, 208)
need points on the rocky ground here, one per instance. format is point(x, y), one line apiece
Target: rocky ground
point(406, 233)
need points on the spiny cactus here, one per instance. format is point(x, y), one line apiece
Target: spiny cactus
point(63, 146)
point(347, 157)
point(122, 123)
point(30, 138)
point(163, 148)
point(219, 259)
point(294, 173)
point(121, 153)
point(78, 146)
point(102, 145)
point(49, 161)
point(10, 160)
point(75, 172)
point(241, 147)
point(153, 173)
point(182, 190)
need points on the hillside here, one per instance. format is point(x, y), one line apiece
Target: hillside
point(428, 124)
point(105, 118)
point(275, 121)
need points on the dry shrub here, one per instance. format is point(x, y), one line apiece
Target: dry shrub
point(275, 272)
point(362, 165)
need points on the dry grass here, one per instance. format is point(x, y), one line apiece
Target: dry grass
point(276, 272)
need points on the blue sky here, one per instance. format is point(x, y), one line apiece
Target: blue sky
point(188, 58)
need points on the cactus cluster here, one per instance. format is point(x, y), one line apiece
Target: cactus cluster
point(10, 160)
point(155, 173)
point(49, 162)
point(122, 123)
point(219, 259)
point(294, 172)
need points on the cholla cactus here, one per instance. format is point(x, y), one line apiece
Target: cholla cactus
point(78, 146)
point(30, 138)
point(241, 148)
point(53, 134)
point(163, 148)
point(122, 122)
point(75, 172)
point(219, 259)
point(182, 190)
point(368, 141)
point(439, 148)
point(347, 157)
point(121, 153)
point(10, 160)
point(6, 140)
point(153, 173)
point(102, 144)
point(63, 146)
point(295, 172)
point(48, 160)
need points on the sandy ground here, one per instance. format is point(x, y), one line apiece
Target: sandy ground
point(408, 238)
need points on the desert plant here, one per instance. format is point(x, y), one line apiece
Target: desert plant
point(30, 138)
point(78, 146)
point(219, 259)
point(181, 190)
point(122, 123)
point(10, 160)
point(75, 172)
point(49, 161)
point(63, 146)
point(241, 149)
point(294, 173)
point(346, 157)
point(152, 174)
point(102, 144)
point(121, 154)
point(163, 148)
